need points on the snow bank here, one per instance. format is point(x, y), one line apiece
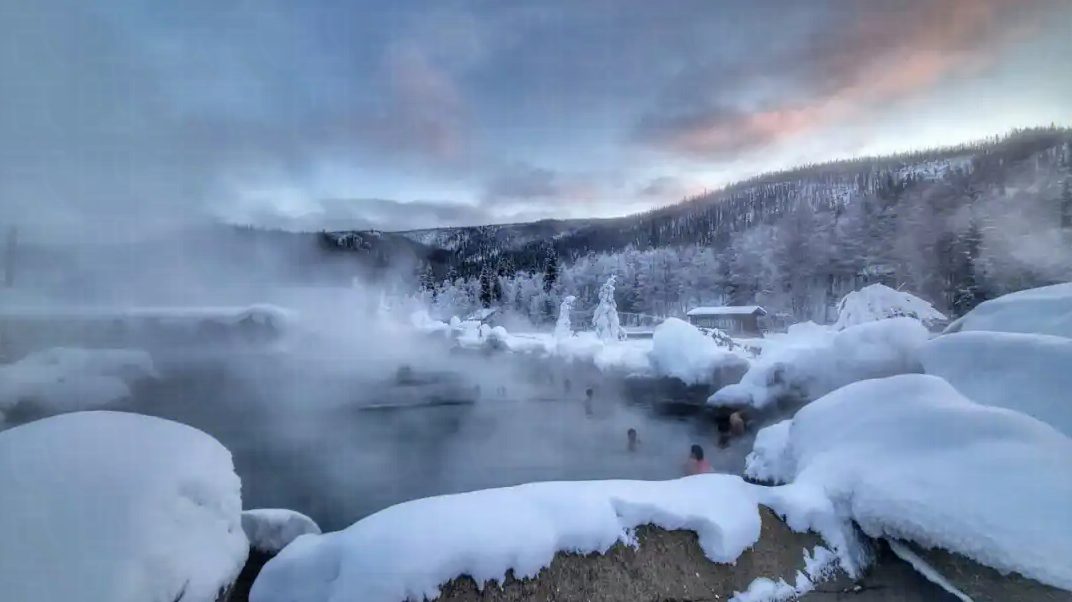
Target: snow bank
point(1046, 310)
point(271, 529)
point(680, 350)
point(68, 379)
point(118, 507)
point(814, 362)
point(407, 551)
point(909, 457)
point(880, 302)
point(1029, 373)
point(769, 458)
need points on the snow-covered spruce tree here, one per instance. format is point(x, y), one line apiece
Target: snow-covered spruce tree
point(605, 319)
point(564, 329)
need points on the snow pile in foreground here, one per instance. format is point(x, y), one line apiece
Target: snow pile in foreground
point(880, 302)
point(818, 566)
point(909, 457)
point(1029, 373)
point(118, 507)
point(1046, 310)
point(271, 529)
point(68, 379)
point(814, 362)
point(407, 551)
point(680, 350)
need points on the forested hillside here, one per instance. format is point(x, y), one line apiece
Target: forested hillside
point(954, 225)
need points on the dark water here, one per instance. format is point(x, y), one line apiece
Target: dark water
point(340, 448)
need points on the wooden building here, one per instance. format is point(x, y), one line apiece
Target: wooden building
point(736, 320)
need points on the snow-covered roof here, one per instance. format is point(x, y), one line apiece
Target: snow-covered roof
point(728, 310)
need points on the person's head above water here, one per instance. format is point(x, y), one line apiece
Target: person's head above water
point(589, 392)
point(696, 453)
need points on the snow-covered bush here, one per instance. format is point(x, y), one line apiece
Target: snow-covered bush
point(680, 350)
point(563, 329)
point(1030, 373)
point(909, 457)
point(272, 529)
point(1046, 310)
point(879, 302)
point(407, 551)
point(67, 379)
point(605, 318)
point(815, 361)
point(117, 507)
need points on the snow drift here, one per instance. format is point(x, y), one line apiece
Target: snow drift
point(407, 551)
point(909, 457)
point(680, 350)
point(812, 361)
point(1046, 310)
point(117, 507)
point(1029, 373)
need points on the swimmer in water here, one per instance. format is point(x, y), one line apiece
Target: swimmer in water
point(634, 442)
point(697, 464)
point(588, 394)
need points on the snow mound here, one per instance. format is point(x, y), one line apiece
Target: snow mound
point(1029, 373)
point(816, 361)
point(271, 529)
point(1046, 310)
point(680, 350)
point(768, 459)
point(67, 379)
point(118, 507)
point(880, 302)
point(407, 551)
point(909, 457)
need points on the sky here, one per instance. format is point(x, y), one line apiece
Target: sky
point(130, 115)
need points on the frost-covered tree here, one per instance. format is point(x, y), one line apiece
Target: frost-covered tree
point(564, 329)
point(605, 319)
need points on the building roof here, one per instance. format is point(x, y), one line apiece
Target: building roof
point(729, 310)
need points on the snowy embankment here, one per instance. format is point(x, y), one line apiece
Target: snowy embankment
point(810, 361)
point(118, 507)
point(909, 457)
point(68, 379)
point(410, 550)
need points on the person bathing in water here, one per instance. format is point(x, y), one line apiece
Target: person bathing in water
point(634, 442)
point(588, 394)
point(697, 464)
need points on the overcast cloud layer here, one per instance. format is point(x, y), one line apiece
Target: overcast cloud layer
point(125, 116)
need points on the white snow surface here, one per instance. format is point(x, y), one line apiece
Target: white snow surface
point(272, 529)
point(407, 551)
point(67, 379)
point(117, 507)
point(1046, 310)
point(909, 457)
point(812, 361)
point(1029, 373)
point(768, 459)
point(727, 310)
point(679, 349)
point(880, 302)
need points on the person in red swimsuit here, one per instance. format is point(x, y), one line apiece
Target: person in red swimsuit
point(697, 464)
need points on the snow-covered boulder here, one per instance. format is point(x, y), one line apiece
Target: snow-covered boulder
point(67, 379)
point(1046, 310)
point(1030, 373)
point(117, 507)
point(407, 551)
point(272, 529)
point(909, 457)
point(769, 459)
point(819, 361)
point(680, 350)
point(880, 302)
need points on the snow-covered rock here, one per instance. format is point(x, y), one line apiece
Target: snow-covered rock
point(1030, 373)
point(880, 302)
point(272, 529)
point(769, 459)
point(118, 507)
point(409, 550)
point(680, 350)
point(817, 361)
point(1046, 310)
point(68, 379)
point(909, 457)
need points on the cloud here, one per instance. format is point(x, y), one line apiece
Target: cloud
point(875, 53)
point(359, 214)
point(523, 183)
